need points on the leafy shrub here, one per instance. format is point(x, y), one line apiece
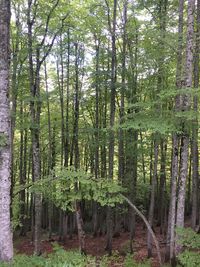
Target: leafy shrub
point(130, 262)
point(191, 241)
point(189, 259)
point(59, 258)
point(188, 237)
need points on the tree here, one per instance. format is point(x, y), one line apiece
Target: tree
point(112, 116)
point(6, 245)
point(185, 106)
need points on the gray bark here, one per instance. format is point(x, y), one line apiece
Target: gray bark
point(172, 206)
point(6, 245)
point(175, 141)
point(185, 105)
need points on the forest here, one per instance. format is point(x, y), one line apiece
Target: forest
point(99, 158)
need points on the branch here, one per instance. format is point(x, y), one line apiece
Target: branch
point(47, 21)
point(147, 225)
point(35, 4)
point(32, 184)
point(52, 41)
point(109, 21)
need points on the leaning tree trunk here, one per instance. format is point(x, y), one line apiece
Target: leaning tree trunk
point(6, 245)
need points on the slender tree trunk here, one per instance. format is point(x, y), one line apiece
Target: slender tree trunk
point(162, 189)
point(143, 158)
point(121, 160)
point(195, 158)
point(67, 102)
point(112, 121)
point(153, 193)
point(6, 245)
point(22, 172)
point(60, 75)
point(14, 90)
point(50, 150)
point(96, 167)
point(34, 80)
point(75, 144)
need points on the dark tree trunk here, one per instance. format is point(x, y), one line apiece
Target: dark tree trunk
point(153, 194)
point(112, 121)
point(195, 158)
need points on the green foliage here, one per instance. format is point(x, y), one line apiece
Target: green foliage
point(130, 262)
point(15, 212)
point(68, 185)
point(156, 116)
point(62, 258)
point(190, 257)
point(143, 190)
point(188, 237)
point(59, 258)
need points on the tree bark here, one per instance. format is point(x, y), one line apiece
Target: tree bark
point(6, 244)
point(170, 248)
point(112, 119)
point(152, 198)
point(185, 106)
point(194, 149)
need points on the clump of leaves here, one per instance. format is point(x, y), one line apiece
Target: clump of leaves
point(188, 237)
point(68, 185)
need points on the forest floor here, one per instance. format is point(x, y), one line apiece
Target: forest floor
point(95, 246)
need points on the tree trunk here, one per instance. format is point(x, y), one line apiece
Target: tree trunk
point(6, 245)
point(195, 158)
point(162, 189)
point(121, 160)
point(170, 248)
point(112, 121)
point(35, 120)
point(153, 193)
point(67, 102)
point(96, 135)
point(185, 106)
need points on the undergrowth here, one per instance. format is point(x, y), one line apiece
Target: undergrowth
point(62, 258)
